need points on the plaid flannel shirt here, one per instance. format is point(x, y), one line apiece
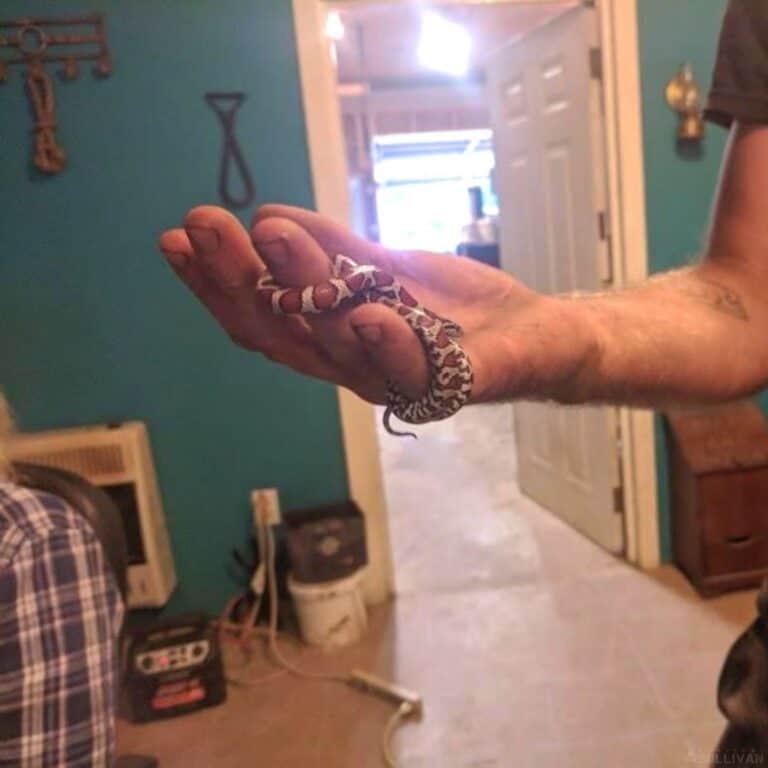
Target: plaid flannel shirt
point(60, 614)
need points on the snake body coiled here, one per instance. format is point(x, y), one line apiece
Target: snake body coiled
point(351, 284)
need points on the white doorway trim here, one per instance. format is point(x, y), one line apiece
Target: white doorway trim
point(325, 141)
point(327, 159)
point(626, 187)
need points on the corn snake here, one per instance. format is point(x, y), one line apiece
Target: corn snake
point(351, 284)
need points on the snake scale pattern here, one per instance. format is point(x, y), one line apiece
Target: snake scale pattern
point(352, 284)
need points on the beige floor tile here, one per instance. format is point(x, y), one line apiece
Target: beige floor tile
point(531, 646)
point(626, 704)
point(686, 684)
point(666, 748)
point(703, 736)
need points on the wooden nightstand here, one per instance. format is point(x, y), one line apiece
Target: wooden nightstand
point(719, 477)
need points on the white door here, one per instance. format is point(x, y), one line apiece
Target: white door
point(546, 114)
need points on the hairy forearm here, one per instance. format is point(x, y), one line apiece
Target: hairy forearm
point(694, 335)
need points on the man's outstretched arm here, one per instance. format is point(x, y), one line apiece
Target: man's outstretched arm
point(699, 334)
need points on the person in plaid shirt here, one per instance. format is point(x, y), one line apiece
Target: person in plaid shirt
point(60, 615)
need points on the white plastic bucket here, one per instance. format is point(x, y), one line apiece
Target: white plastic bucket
point(332, 613)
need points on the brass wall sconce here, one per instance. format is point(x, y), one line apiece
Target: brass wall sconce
point(684, 97)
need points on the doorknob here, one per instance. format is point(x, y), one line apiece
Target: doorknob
point(684, 96)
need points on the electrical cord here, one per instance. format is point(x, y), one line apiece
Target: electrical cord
point(236, 673)
point(246, 633)
point(403, 711)
point(273, 647)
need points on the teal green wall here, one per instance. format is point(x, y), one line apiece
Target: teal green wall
point(679, 190)
point(93, 325)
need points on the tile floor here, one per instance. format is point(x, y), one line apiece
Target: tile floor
point(531, 646)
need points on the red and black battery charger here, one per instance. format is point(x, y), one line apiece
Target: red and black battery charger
point(172, 668)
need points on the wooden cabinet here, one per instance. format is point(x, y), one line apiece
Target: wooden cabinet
point(719, 479)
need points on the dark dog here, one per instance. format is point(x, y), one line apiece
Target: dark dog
point(742, 695)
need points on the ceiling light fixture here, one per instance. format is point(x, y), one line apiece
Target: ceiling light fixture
point(444, 46)
point(334, 26)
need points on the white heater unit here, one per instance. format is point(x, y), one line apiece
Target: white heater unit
point(118, 459)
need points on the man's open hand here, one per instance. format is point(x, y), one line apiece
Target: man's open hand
point(506, 325)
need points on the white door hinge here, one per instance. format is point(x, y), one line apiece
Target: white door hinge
point(603, 225)
point(596, 63)
point(618, 500)
point(605, 250)
point(618, 487)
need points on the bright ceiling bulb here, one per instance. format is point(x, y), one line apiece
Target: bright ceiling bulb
point(443, 45)
point(334, 26)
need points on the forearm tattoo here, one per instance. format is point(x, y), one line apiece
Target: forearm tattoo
point(716, 295)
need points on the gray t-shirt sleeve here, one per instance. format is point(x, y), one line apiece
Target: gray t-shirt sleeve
point(740, 80)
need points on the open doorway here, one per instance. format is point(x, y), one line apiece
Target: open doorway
point(416, 116)
point(442, 117)
point(618, 56)
point(421, 182)
point(566, 636)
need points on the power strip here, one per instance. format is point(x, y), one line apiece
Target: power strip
point(368, 683)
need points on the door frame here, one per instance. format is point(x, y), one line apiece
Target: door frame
point(626, 190)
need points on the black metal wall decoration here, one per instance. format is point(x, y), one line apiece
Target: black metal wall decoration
point(35, 42)
point(226, 105)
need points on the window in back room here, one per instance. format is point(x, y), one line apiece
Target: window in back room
point(422, 182)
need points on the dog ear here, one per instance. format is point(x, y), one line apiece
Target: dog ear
point(741, 690)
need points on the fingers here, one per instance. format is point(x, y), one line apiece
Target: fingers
point(361, 348)
point(223, 247)
point(440, 272)
point(295, 259)
point(214, 257)
point(175, 242)
point(391, 347)
point(212, 254)
point(332, 237)
point(371, 335)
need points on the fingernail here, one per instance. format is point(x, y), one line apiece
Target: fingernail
point(205, 239)
point(274, 251)
point(176, 259)
point(369, 334)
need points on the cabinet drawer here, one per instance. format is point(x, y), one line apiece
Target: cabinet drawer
point(734, 508)
point(747, 554)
